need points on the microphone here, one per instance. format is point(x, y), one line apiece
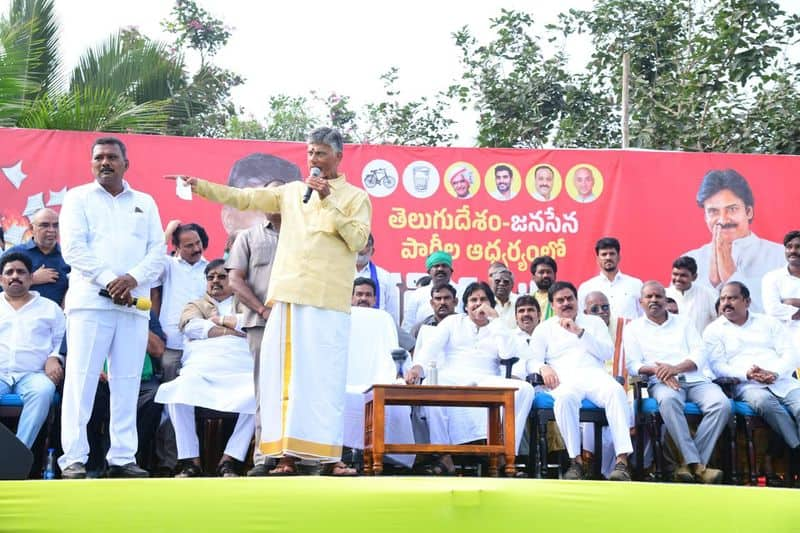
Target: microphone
point(315, 172)
point(142, 304)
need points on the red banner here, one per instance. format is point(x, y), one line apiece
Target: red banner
point(426, 199)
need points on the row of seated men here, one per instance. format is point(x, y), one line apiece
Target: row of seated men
point(616, 287)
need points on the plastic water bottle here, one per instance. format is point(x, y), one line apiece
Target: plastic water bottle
point(432, 374)
point(50, 465)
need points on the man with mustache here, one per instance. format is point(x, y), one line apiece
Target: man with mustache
point(439, 266)
point(503, 178)
point(112, 238)
point(668, 350)
point(694, 300)
point(569, 350)
point(49, 268)
point(217, 374)
point(735, 253)
point(443, 303)
point(527, 312)
point(780, 289)
point(758, 351)
point(543, 182)
point(467, 349)
point(622, 290)
point(182, 281)
point(386, 295)
point(543, 274)
point(364, 296)
point(503, 285)
point(31, 330)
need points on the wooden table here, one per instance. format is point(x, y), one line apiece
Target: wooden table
point(500, 435)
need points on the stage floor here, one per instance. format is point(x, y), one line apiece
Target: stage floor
point(402, 504)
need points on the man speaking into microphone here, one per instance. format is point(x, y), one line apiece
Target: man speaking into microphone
point(111, 237)
point(304, 351)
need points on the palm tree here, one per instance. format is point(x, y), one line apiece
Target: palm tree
point(127, 84)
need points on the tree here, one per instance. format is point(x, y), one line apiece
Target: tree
point(123, 85)
point(705, 75)
point(202, 107)
point(518, 93)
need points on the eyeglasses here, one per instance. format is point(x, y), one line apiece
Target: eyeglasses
point(47, 225)
point(213, 276)
point(598, 308)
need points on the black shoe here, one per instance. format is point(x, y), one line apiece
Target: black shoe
point(74, 471)
point(188, 469)
point(258, 471)
point(227, 468)
point(128, 470)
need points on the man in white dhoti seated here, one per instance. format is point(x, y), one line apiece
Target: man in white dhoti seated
point(467, 350)
point(216, 373)
point(569, 350)
point(325, 222)
point(373, 336)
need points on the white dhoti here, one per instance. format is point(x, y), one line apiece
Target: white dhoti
point(302, 382)
point(458, 425)
point(217, 374)
point(373, 336)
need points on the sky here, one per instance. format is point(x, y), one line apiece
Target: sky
point(295, 47)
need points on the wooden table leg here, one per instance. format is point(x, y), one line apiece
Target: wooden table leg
point(378, 430)
point(509, 425)
point(368, 438)
point(494, 436)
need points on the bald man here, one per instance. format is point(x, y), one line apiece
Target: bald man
point(49, 268)
point(669, 352)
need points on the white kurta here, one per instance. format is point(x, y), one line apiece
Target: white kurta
point(762, 340)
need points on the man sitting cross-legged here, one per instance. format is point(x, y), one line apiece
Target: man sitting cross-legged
point(668, 349)
point(757, 350)
point(467, 350)
point(216, 373)
point(569, 350)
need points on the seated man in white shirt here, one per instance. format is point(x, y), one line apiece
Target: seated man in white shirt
point(695, 300)
point(757, 350)
point(503, 285)
point(216, 373)
point(386, 294)
point(439, 266)
point(31, 330)
point(668, 349)
point(569, 350)
point(467, 349)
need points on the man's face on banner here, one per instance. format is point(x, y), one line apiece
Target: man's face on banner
point(544, 181)
point(725, 212)
point(584, 181)
point(502, 179)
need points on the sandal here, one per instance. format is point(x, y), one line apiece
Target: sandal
point(227, 469)
point(338, 469)
point(284, 468)
point(439, 468)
